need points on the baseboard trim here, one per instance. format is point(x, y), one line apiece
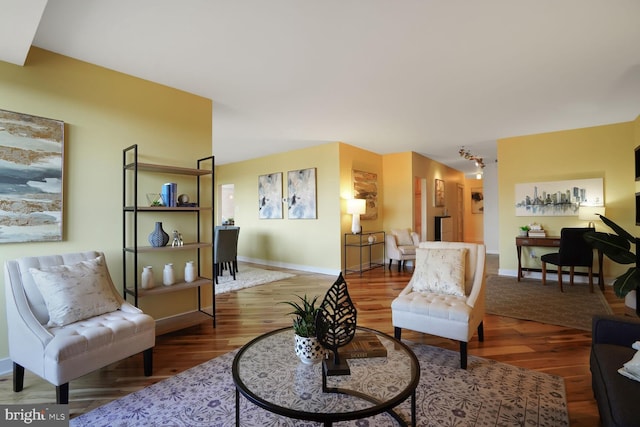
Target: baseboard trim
point(307, 268)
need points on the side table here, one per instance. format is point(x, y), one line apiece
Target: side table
point(362, 242)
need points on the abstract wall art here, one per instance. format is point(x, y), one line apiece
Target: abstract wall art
point(301, 186)
point(365, 186)
point(31, 161)
point(270, 196)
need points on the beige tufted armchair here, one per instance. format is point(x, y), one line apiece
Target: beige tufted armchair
point(61, 353)
point(401, 246)
point(441, 299)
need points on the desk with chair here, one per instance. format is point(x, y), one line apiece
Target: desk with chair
point(545, 242)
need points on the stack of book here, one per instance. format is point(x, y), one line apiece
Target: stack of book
point(169, 194)
point(364, 344)
point(537, 231)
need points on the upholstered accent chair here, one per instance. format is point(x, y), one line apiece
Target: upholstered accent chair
point(445, 296)
point(574, 251)
point(401, 246)
point(66, 319)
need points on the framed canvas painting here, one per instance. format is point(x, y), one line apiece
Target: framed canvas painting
point(365, 186)
point(270, 196)
point(31, 160)
point(439, 193)
point(301, 185)
point(477, 201)
point(558, 198)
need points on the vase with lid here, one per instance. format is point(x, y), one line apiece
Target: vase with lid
point(158, 237)
point(168, 275)
point(189, 272)
point(147, 278)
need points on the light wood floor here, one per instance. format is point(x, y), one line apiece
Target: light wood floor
point(245, 314)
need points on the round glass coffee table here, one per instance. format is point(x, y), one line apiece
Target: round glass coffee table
point(268, 373)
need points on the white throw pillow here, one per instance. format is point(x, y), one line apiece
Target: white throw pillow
point(631, 369)
point(439, 271)
point(403, 237)
point(75, 292)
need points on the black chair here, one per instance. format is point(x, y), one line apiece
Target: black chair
point(226, 250)
point(574, 252)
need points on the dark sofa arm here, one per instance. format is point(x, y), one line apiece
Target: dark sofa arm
point(618, 330)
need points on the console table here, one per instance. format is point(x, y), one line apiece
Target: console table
point(364, 241)
point(549, 241)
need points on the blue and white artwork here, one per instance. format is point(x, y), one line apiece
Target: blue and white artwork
point(558, 198)
point(31, 159)
point(270, 196)
point(301, 185)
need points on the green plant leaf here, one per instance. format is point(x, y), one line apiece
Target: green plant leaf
point(627, 282)
point(613, 246)
point(619, 230)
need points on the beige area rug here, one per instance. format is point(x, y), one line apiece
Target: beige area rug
point(247, 277)
point(529, 300)
point(488, 393)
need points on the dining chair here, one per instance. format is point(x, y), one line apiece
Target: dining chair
point(574, 251)
point(226, 250)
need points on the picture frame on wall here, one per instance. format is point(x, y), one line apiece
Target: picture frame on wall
point(558, 198)
point(477, 201)
point(31, 178)
point(301, 187)
point(365, 186)
point(439, 195)
point(270, 196)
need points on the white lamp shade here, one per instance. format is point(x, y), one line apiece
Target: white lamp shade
point(590, 213)
point(356, 206)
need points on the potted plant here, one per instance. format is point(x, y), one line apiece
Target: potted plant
point(307, 346)
point(524, 230)
point(617, 247)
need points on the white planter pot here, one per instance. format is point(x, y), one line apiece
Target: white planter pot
point(308, 349)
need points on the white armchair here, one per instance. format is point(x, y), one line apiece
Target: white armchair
point(445, 296)
point(45, 296)
point(401, 245)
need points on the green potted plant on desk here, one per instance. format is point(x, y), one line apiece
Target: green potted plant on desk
point(307, 346)
point(617, 247)
point(524, 230)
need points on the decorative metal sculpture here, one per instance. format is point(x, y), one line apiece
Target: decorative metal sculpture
point(336, 325)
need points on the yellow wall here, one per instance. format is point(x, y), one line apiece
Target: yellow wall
point(295, 243)
point(104, 112)
point(473, 223)
point(596, 152)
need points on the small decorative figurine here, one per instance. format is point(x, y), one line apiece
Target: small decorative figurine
point(177, 239)
point(336, 325)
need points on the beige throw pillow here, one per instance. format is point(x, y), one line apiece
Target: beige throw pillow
point(403, 237)
point(439, 271)
point(75, 292)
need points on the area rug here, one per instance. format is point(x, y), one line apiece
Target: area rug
point(247, 277)
point(488, 393)
point(529, 300)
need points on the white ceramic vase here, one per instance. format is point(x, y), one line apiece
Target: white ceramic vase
point(168, 275)
point(189, 272)
point(147, 278)
point(308, 349)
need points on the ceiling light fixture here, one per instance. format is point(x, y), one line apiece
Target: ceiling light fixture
point(467, 155)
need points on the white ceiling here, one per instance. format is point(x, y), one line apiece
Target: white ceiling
point(387, 76)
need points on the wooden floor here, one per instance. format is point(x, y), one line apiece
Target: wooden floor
point(247, 313)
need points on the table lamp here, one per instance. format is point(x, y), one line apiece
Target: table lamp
point(356, 207)
point(590, 213)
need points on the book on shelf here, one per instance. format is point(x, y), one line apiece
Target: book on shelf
point(364, 344)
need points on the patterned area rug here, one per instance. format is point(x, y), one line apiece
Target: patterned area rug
point(529, 300)
point(488, 393)
point(247, 277)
